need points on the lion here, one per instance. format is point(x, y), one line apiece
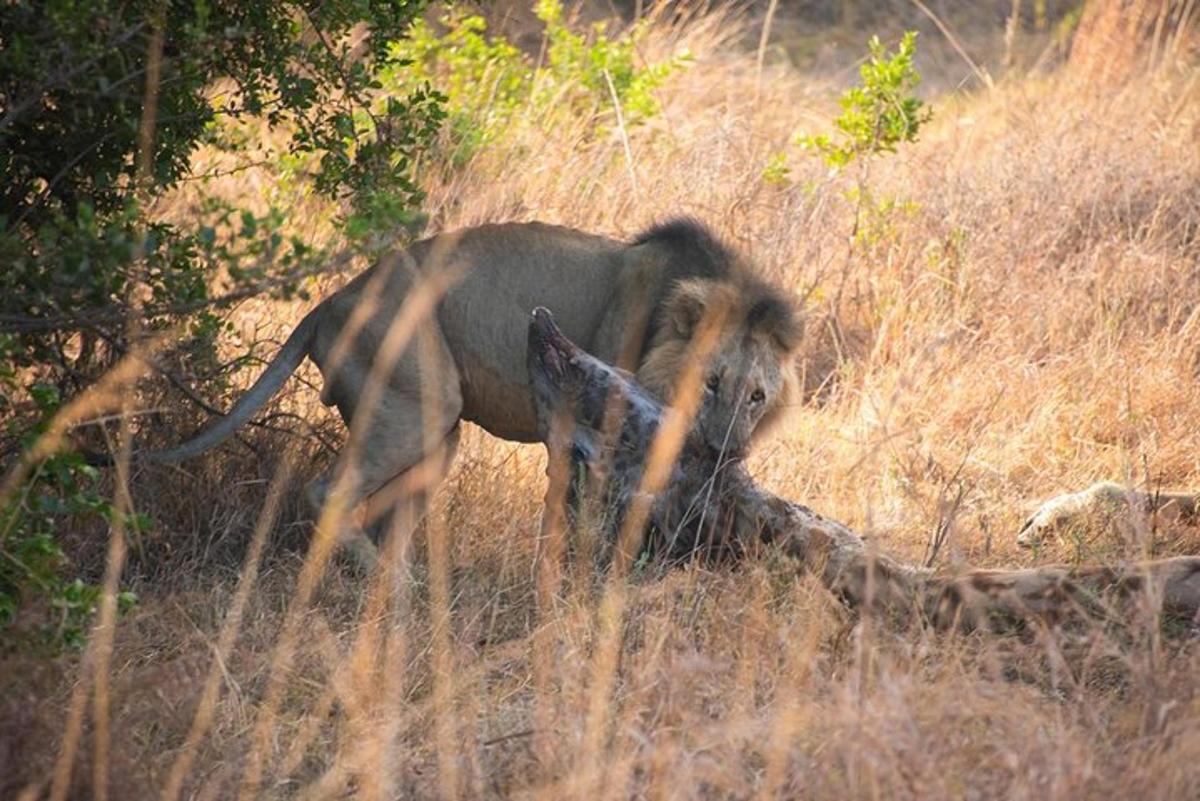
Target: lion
point(635, 304)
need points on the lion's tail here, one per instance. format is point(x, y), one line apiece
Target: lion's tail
point(278, 371)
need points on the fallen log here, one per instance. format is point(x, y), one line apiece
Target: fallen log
point(697, 502)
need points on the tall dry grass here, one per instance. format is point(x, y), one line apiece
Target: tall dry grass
point(1022, 319)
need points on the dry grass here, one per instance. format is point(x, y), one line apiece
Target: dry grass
point(1027, 322)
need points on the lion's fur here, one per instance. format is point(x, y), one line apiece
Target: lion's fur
point(762, 332)
point(633, 304)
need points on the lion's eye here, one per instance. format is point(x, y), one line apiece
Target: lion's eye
point(712, 383)
point(758, 396)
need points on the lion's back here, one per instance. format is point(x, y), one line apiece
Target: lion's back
point(508, 270)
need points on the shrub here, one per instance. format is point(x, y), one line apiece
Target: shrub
point(82, 167)
point(880, 113)
point(76, 238)
point(31, 556)
point(489, 83)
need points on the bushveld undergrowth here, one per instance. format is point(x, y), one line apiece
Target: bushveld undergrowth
point(1014, 311)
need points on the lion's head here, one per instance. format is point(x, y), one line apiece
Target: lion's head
point(751, 376)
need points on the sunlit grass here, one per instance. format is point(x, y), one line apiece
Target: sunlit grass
point(1022, 320)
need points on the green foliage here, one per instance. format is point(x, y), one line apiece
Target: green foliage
point(74, 235)
point(777, 171)
point(879, 219)
point(484, 80)
point(879, 114)
point(604, 66)
point(85, 242)
point(31, 556)
point(489, 83)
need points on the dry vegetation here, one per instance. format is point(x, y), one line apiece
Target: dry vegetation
point(1025, 320)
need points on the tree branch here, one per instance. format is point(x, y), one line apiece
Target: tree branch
point(28, 324)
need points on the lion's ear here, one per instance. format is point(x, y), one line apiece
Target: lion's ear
point(686, 305)
point(778, 319)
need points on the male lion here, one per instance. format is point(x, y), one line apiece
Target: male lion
point(635, 304)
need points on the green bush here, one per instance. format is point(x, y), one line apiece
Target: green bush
point(62, 487)
point(489, 83)
point(84, 249)
point(603, 66)
point(880, 113)
point(74, 235)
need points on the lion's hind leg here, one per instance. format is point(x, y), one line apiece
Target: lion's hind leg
point(401, 450)
point(347, 534)
point(409, 490)
point(367, 517)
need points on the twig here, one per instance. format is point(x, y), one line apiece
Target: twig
point(980, 73)
point(27, 324)
point(63, 76)
point(506, 737)
point(612, 90)
point(762, 49)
